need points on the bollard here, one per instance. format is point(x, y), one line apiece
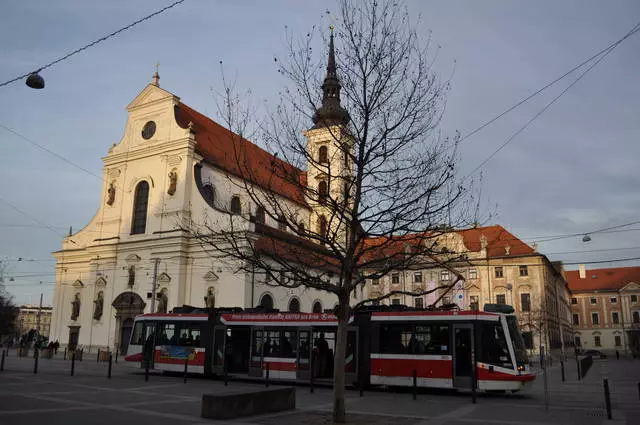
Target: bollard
point(266, 377)
point(98, 356)
point(415, 384)
point(638, 390)
point(3, 354)
point(361, 385)
point(73, 362)
point(226, 376)
point(146, 371)
point(109, 370)
point(65, 354)
point(35, 361)
point(81, 354)
point(116, 356)
point(562, 369)
point(607, 397)
point(186, 365)
point(311, 374)
point(578, 366)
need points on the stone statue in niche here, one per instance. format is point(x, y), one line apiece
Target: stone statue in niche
point(162, 302)
point(173, 182)
point(210, 299)
point(75, 307)
point(132, 276)
point(98, 305)
point(111, 194)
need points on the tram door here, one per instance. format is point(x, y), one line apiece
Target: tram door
point(303, 368)
point(462, 355)
point(255, 362)
point(351, 355)
point(219, 342)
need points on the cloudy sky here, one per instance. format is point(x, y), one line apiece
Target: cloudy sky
point(571, 171)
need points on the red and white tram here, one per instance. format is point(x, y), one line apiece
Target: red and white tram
point(383, 347)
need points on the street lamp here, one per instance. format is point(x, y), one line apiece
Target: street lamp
point(35, 81)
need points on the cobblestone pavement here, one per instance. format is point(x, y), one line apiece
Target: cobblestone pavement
point(54, 397)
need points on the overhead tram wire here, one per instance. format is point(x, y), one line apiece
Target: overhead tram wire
point(635, 29)
point(547, 106)
point(93, 43)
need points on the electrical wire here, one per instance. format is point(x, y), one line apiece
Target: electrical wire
point(549, 104)
point(635, 29)
point(85, 47)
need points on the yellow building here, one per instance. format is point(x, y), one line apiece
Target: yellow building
point(28, 319)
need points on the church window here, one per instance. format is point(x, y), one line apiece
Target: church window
point(301, 228)
point(260, 215)
point(322, 227)
point(148, 130)
point(322, 155)
point(323, 192)
point(140, 203)
point(317, 307)
point(294, 305)
point(266, 302)
point(236, 207)
point(209, 193)
point(282, 223)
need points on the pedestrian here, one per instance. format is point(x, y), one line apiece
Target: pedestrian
point(617, 355)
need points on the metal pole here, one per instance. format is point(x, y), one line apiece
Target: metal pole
point(98, 356)
point(3, 354)
point(578, 366)
point(474, 366)
point(186, 366)
point(65, 354)
point(117, 354)
point(544, 376)
point(109, 370)
point(146, 371)
point(266, 377)
point(35, 362)
point(73, 362)
point(415, 384)
point(153, 285)
point(562, 369)
point(311, 365)
point(607, 397)
point(39, 313)
point(224, 370)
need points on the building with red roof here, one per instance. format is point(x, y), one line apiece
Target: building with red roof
point(605, 308)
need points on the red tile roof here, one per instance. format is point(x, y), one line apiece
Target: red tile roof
point(224, 149)
point(602, 279)
point(498, 238)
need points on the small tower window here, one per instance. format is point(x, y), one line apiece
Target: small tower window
point(209, 193)
point(322, 155)
point(322, 227)
point(323, 192)
point(282, 223)
point(236, 207)
point(140, 203)
point(260, 215)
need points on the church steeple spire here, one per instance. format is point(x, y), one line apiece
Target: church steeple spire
point(331, 112)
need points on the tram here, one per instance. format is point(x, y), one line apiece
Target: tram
point(386, 345)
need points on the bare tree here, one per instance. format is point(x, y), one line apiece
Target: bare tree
point(379, 192)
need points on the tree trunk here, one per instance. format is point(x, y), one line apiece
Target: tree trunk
point(339, 415)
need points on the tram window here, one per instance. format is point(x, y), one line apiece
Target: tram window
point(494, 346)
point(190, 336)
point(138, 334)
point(431, 339)
point(303, 344)
point(289, 344)
point(272, 344)
point(167, 334)
point(394, 339)
point(257, 343)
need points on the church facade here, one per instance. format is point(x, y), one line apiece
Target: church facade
point(172, 167)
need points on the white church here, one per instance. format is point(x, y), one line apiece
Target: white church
point(175, 166)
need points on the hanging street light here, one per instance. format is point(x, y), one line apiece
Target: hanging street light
point(586, 238)
point(35, 81)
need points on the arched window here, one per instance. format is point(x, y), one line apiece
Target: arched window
point(317, 307)
point(260, 215)
point(301, 228)
point(322, 155)
point(236, 207)
point(322, 227)
point(323, 192)
point(282, 223)
point(266, 302)
point(140, 203)
point(636, 317)
point(294, 305)
point(209, 193)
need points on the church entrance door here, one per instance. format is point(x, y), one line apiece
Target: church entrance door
point(128, 305)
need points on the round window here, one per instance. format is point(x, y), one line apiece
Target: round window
point(148, 130)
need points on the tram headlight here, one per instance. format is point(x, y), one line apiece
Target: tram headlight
point(520, 368)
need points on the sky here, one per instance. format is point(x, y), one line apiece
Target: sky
point(572, 171)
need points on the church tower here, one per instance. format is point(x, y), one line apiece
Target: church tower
point(329, 158)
